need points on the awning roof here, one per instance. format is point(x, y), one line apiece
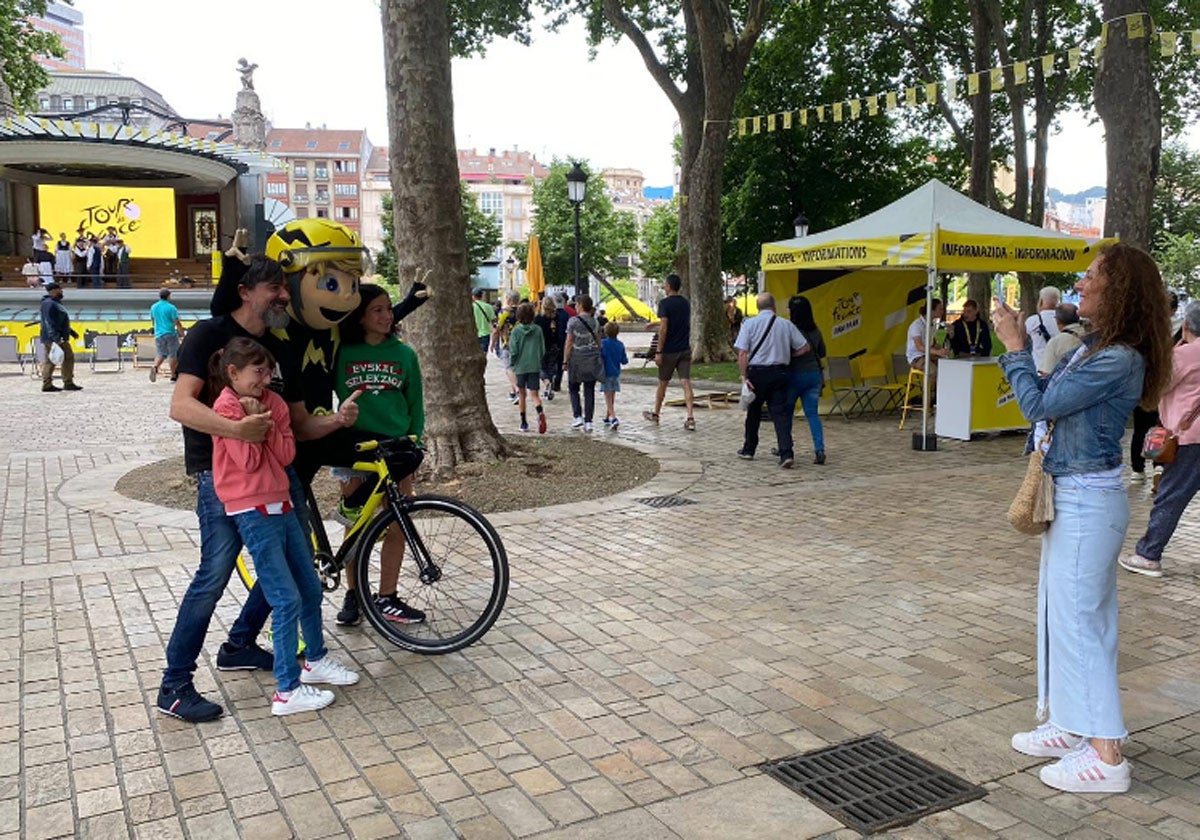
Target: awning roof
point(968, 237)
point(40, 150)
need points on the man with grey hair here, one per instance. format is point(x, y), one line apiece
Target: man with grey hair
point(1180, 478)
point(1040, 326)
point(1070, 336)
point(765, 345)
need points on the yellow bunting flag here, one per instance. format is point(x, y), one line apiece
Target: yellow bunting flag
point(973, 84)
point(1103, 42)
point(890, 101)
point(787, 120)
point(910, 96)
point(803, 116)
point(770, 123)
point(950, 86)
point(1074, 56)
point(1196, 40)
point(820, 113)
point(837, 111)
point(757, 125)
point(872, 105)
point(1168, 41)
point(855, 108)
point(1135, 27)
point(1020, 72)
point(1048, 65)
point(997, 74)
point(931, 93)
point(742, 127)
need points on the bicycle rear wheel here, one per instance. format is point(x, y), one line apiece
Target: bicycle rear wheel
point(465, 586)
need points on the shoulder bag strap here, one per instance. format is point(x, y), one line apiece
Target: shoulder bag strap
point(1189, 419)
point(758, 346)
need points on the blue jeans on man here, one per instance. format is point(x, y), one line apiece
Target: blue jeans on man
point(1180, 483)
point(220, 544)
point(770, 383)
point(284, 567)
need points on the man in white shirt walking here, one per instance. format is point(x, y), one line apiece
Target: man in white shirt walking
point(1041, 326)
point(765, 345)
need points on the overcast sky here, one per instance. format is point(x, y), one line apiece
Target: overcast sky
point(322, 63)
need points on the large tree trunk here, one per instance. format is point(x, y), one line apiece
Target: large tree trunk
point(429, 223)
point(710, 330)
point(979, 284)
point(1128, 103)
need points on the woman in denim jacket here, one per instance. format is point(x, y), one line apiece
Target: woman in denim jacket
point(1125, 361)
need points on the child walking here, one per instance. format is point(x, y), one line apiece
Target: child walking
point(250, 481)
point(612, 350)
point(372, 360)
point(527, 346)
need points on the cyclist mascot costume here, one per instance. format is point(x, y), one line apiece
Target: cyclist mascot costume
point(323, 262)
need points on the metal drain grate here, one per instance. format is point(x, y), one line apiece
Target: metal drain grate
point(871, 784)
point(665, 501)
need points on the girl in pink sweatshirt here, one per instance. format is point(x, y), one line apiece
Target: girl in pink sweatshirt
point(250, 481)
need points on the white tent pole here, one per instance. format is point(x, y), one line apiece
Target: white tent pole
point(930, 280)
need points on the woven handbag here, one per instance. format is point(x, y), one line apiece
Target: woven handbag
point(1032, 510)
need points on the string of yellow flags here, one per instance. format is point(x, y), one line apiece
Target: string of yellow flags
point(992, 80)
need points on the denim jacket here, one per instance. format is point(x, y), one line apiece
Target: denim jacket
point(1089, 404)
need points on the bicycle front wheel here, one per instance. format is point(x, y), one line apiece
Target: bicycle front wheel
point(461, 591)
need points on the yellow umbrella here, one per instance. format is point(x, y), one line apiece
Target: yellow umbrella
point(534, 276)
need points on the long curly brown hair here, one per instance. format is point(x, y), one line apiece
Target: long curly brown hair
point(1135, 311)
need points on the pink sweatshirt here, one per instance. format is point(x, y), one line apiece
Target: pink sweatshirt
point(1184, 394)
point(246, 475)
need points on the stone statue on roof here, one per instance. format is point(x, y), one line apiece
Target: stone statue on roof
point(247, 70)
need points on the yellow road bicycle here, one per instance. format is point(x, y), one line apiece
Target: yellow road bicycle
point(455, 568)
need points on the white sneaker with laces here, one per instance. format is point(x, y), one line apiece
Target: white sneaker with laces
point(1047, 741)
point(1136, 477)
point(306, 698)
point(577, 422)
point(1082, 771)
point(587, 427)
point(327, 670)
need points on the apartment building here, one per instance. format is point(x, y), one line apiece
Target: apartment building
point(626, 188)
point(375, 185)
point(67, 24)
point(323, 179)
point(131, 102)
point(503, 184)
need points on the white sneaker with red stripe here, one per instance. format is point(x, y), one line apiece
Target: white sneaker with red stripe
point(1082, 771)
point(305, 698)
point(1047, 741)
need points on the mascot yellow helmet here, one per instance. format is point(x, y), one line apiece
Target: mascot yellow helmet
point(323, 262)
point(303, 241)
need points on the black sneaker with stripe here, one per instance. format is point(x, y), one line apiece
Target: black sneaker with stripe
point(394, 609)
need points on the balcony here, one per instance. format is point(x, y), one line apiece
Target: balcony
point(301, 198)
point(321, 174)
point(322, 198)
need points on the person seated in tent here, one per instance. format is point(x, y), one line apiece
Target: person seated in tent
point(915, 349)
point(970, 335)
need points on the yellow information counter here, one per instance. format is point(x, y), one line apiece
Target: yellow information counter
point(973, 396)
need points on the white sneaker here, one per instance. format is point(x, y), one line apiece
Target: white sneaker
point(1136, 477)
point(327, 670)
point(1047, 741)
point(1082, 771)
point(306, 698)
point(587, 427)
point(577, 422)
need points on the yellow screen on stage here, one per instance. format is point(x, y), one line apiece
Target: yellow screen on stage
point(144, 217)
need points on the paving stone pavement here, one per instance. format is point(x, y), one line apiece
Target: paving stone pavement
point(647, 660)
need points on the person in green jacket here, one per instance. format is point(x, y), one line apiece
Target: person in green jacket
point(385, 373)
point(526, 346)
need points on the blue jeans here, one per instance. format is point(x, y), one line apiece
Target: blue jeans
point(806, 385)
point(284, 567)
point(1077, 610)
point(1180, 482)
point(220, 544)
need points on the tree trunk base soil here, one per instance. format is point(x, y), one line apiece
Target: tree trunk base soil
point(538, 471)
point(445, 452)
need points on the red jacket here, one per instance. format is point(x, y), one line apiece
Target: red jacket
point(246, 475)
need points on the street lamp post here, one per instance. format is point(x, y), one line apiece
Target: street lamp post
point(576, 187)
point(801, 225)
point(511, 265)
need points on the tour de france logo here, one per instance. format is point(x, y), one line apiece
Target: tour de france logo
point(124, 216)
point(847, 314)
point(1004, 393)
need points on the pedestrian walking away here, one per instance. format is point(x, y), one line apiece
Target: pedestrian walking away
point(56, 334)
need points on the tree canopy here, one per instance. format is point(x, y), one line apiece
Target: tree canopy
point(483, 235)
point(20, 44)
point(604, 234)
